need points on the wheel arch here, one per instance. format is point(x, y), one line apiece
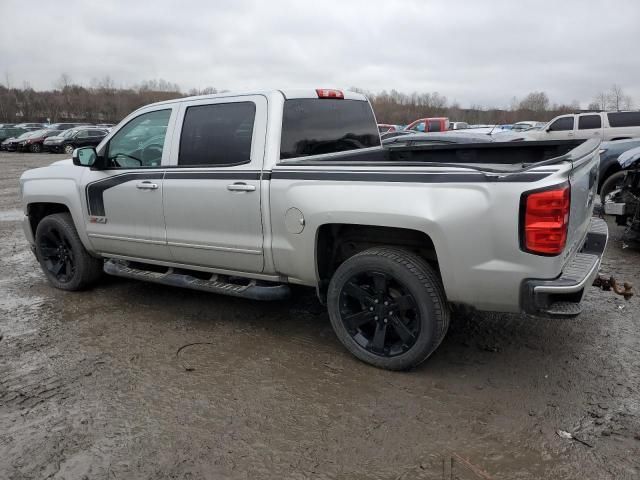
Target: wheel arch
point(336, 242)
point(610, 170)
point(36, 211)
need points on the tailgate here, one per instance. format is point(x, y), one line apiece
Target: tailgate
point(583, 179)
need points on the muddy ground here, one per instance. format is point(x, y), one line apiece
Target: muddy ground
point(91, 387)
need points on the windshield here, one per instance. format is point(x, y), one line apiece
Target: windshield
point(68, 133)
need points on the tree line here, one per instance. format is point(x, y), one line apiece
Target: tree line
point(103, 102)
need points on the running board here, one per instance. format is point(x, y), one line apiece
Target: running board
point(253, 290)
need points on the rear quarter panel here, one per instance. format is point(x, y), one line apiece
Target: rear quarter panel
point(474, 226)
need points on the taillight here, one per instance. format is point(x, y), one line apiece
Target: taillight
point(328, 93)
point(545, 220)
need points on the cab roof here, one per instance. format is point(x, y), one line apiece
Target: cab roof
point(286, 93)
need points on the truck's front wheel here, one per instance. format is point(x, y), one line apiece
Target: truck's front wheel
point(387, 306)
point(63, 258)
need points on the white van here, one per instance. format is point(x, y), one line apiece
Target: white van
point(603, 125)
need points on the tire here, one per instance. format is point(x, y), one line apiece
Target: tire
point(64, 260)
point(35, 148)
point(610, 184)
point(68, 149)
point(412, 322)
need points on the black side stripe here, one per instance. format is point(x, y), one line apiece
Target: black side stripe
point(95, 191)
point(413, 177)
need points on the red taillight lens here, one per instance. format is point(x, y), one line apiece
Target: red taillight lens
point(328, 93)
point(546, 220)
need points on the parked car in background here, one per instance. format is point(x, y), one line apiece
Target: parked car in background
point(386, 128)
point(33, 143)
point(397, 133)
point(450, 137)
point(11, 144)
point(602, 125)
point(32, 125)
point(432, 124)
point(7, 125)
point(609, 165)
point(525, 125)
point(74, 138)
point(107, 126)
point(458, 125)
point(10, 132)
point(66, 126)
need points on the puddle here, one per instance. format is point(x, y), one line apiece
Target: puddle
point(11, 215)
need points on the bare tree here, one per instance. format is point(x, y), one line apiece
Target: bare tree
point(601, 100)
point(617, 99)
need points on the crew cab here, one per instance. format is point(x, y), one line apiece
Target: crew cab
point(600, 125)
point(245, 194)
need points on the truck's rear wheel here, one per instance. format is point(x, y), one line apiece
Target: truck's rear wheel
point(388, 307)
point(63, 258)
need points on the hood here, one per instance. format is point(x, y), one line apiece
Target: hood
point(66, 161)
point(53, 139)
point(629, 157)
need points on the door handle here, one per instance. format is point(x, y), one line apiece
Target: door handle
point(241, 187)
point(147, 185)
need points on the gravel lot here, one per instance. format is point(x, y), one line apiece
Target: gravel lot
point(91, 386)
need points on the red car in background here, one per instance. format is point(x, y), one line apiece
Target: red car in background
point(430, 124)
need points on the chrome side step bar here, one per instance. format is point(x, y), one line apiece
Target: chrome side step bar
point(254, 290)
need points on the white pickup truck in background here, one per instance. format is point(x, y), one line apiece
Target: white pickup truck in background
point(583, 126)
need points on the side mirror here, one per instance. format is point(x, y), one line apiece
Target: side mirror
point(85, 156)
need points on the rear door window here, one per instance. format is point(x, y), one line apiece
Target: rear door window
point(624, 119)
point(217, 135)
point(562, 124)
point(320, 126)
point(587, 122)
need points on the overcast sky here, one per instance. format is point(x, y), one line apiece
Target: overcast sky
point(475, 52)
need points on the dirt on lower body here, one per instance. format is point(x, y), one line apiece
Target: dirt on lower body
point(91, 386)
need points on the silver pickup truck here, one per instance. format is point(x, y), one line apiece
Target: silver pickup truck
point(244, 194)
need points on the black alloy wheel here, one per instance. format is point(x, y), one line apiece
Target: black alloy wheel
point(388, 307)
point(56, 252)
point(380, 313)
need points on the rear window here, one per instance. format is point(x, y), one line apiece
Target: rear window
point(624, 119)
point(318, 126)
point(586, 122)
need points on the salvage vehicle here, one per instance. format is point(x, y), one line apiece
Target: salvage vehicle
point(33, 143)
point(609, 164)
point(73, 138)
point(623, 201)
point(600, 125)
point(11, 144)
point(387, 128)
point(10, 132)
point(244, 194)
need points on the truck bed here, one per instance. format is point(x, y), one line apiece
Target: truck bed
point(509, 156)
